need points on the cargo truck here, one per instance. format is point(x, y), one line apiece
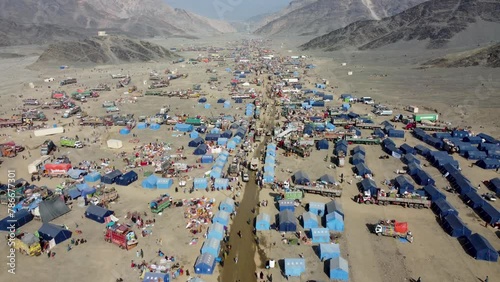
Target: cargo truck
point(70, 142)
point(161, 203)
point(47, 147)
point(394, 229)
point(121, 235)
point(70, 112)
point(382, 198)
point(27, 244)
point(254, 164)
point(56, 170)
point(67, 81)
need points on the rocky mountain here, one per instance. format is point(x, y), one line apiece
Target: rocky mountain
point(436, 21)
point(316, 17)
point(139, 18)
point(103, 50)
point(486, 56)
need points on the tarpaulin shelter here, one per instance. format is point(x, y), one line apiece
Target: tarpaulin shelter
point(407, 149)
point(227, 205)
point(322, 144)
point(263, 222)
point(329, 251)
point(182, 127)
point(339, 269)
point(320, 235)
point(196, 142)
point(403, 184)
point(19, 219)
point(454, 226)
point(127, 178)
point(358, 158)
point(423, 178)
point(92, 177)
point(433, 193)
point(287, 221)
point(216, 231)
point(52, 208)
point(110, 178)
point(310, 220)
point(221, 183)
point(362, 169)
point(335, 206)
point(316, 208)
point(156, 277)
point(150, 182)
point(479, 248)
point(473, 200)
point(294, 267)
point(97, 213)
point(442, 208)
point(410, 158)
point(221, 217)
point(211, 246)
point(75, 173)
point(50, 231)
point(327, 178)
point(200, 183)
point(85, 189)
point(489, 213)
point(369, 185)
point(164, 183)
point(205, 264)
point(300, 178)
point(286, 205)
point(201, 150)
point(335, 222)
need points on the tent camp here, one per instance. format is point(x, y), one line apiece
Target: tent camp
point(335, 206)
point(479, 248)
point(339, 269)
point(205, 264)
point(335, 222)
point(227, 205)
point(196, 142)
point(97, 213)
point(50, 231)
point(202, 149)
point(317, 208)
point(20, 218)
point(263, 222)
point(216, 231)
point(454, 226)
point(211, 246)
point(442, 208)
point(221, 217)
point(127, 178)
point(110, 178)
point(156, 277)
point(294, 266)
point(320, 235)
point(52, 209)
point(287, 221)
point(300, 178)
point(310, 220)
point(329, 251)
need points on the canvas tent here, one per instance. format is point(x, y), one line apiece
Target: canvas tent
point(317, 208)
point(287, 221)
point(454, 226)
point(211, 246)
point(127, 178)
point(310, 220)
point(263, 222)
point(205, 264)
point(294, 266)
point(196, 142)
point(320, 235)
point(335, 222)
point(110, 178)
point(221, 217)
point(97, 213)
point(300, 178)
point(216, 231)
point(20, 218)
point(52, 209)
point(339, 269)
point(335, 206)
point(227, 205)
point(442, 208)
point(328, 251)
point(156, 277)
point(479, 248)
point(50, 231)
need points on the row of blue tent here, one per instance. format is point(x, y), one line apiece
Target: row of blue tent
point(340, 148)
point(152, 126)
point(270, 163)
point(218, 168)
point(153, 181)
point(358, 155)
point(116, 176)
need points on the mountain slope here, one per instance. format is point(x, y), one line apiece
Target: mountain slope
point(141, 18)
point(436, 21)
point(103, 50)
point(488, 57)
point(314, 17)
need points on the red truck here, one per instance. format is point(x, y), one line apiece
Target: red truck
point(121, 235)
point(59, 170)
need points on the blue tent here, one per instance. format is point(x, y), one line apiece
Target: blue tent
point(359, 149)
point(413, 168)
point(211, 246)
point(488, 163)
point(286, 205)
point(362, 169)
point(495, 185)
point(462, 184)
point(92, 177)
point(358, 158)
point(329, 251)
point(201, 150)
point(193, 135)
point(423, 178)
point(196, 142)
point(231, 144)
point(127, 179)
point(454, 226)
point(221, 183)
point(335, 206)
point(205, 264)
point(340, 148)
point(164, 183)
point(154, 127)
point(317, 208)
point(433, 193)
point(489, 213)
point(442, 208)
point(320, 235)
point(212, 136)
point(200, 183)
point(422, 150)
point(407, 149)
point(310, 220)
point(227, 134)
point(110, 178)
point(410, 158)
point(478, 247)
point(142, 125)
point(287, 221)
point(20, 218)
point(269, 177)
point(124, 131)
point(403, 184)
point(50, 231)
point(473, 199)
point(221, 217)
point(156, 277)
point(335, 222)
point(74, 193)
point(222, 141)
point(339, 269)
point(216, 172)
point(294, 267)
point(216, 231)
point(300, 178)
point(150, 182)
point(368, 185)
point(215, 130)
point(207, 159)
point(327, 178)
point(322, 145)
point(97, 213)
point(182, 127)
point(263, 222)
point(227, 205)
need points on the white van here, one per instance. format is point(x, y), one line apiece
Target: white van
point(368, 100)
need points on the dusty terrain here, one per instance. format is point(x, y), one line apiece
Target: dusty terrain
point(434, 255)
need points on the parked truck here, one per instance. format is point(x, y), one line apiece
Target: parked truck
point(70, 142)
point(121, 235)
point(382, 198)
point(393, 228)
point(160, 203)
point(27, 244)
point(56, 170)
point(70, 112)
point(254, 164)
point(47, 147)
point(67, 81)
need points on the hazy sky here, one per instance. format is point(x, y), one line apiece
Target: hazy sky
point(231, 10)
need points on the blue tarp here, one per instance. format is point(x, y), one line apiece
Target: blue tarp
point(479, 248)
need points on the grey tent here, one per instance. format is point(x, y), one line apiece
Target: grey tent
point(287, 221)
point(335, 206)
point(327, 178)
point(52, 209)
point(300, 178)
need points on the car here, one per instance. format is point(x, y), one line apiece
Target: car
point(245, 177)
point(490, 197)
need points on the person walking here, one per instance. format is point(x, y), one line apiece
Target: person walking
point(486, 279)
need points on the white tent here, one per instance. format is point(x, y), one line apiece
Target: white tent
point(114, 144)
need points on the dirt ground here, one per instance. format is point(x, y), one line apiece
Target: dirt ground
point(434, 255)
